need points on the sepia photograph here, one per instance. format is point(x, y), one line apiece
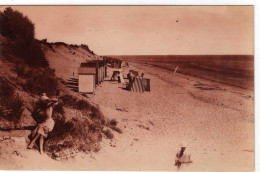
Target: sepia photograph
point(127, 88)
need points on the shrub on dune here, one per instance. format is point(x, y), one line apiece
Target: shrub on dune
point(11, 105)
point(20, 31)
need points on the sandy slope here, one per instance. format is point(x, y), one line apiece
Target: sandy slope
point(217, 124)
point(66, 60)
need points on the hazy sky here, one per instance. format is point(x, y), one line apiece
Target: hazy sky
point(110, 30)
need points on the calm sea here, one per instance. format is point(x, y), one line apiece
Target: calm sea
point(236, 70)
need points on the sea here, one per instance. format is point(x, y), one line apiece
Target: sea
point(235, 70)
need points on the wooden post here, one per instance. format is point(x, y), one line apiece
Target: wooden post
point(175, 70)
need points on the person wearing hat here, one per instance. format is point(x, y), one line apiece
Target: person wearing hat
point(182, 157)
point(44, 97)
point(46, 126)
point(42, 102)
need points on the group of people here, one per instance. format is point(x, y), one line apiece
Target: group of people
point(41, 131)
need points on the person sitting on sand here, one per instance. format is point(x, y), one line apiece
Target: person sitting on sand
point(46, 126)
point(182, 157)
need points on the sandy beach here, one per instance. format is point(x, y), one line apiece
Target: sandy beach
point(217, 124)
point(201, 73)
point(215, 120)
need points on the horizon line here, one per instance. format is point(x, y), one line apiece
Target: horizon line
point(180, 55)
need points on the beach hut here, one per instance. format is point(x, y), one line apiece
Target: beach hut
point(93, 64)
point(121, 75)
point(117, 63)
point(105, 68)
point(102, 64)
point(109, 61)
point(105, 72)
point(87, 77)
point(99, 73)
point(115, 75)
point(133, 73)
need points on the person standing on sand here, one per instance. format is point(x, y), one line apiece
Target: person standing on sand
point(45, 127)
point(119, 80)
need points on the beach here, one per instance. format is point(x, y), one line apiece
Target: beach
point(216, 123)
point(199, 70)
point(215, 120)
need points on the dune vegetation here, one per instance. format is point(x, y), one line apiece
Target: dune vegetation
point(26, 71)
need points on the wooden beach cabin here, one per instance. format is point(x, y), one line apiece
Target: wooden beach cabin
point(102, 69)
point(99, 65)
point(113, 62)
point(117, 63)
point(102, 63)
point(106, 75)
point(110, 62)
point(91, 64)
point(87, 77)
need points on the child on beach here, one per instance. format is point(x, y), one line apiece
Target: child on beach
point(46, 126)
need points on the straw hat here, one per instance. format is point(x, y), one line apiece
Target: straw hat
point(44, 97)
point(52, 100)
point(43, 94)
point(183, 144)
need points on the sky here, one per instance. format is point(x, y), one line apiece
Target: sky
point(147, 30)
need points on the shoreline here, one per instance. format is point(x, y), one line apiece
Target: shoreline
point(251, 88)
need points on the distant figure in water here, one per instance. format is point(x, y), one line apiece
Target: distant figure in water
point(73, 73)
point(46, 126)
point(142, 75)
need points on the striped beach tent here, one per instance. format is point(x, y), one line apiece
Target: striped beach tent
point(136, 85)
